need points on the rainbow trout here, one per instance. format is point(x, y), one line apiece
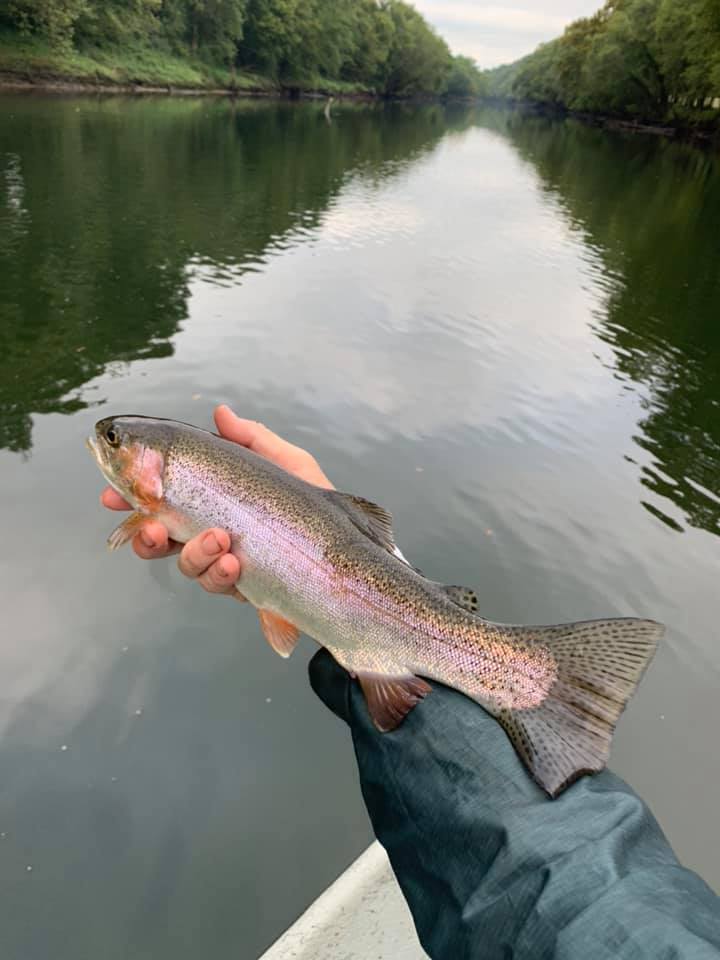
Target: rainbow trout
point(325, 563)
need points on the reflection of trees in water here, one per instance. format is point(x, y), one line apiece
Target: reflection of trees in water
point(651, 209)
point(103, 204)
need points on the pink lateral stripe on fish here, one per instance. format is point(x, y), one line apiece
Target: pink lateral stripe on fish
point(325, 563)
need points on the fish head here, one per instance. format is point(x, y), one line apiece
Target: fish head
point(131, 453)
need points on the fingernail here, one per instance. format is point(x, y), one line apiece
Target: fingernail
point(147, 539)
point(210, 544)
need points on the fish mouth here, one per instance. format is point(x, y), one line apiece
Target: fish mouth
point(94, 448)
point(98, 454)
point(103, 458)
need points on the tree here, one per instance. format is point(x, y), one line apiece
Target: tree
point(465, 79)
point(385, 45)
point(637, 57)
point(622, 74)
point(372, 33)
point(53, 19)
point(688, 41)
point(215, 27)
point(536, 79)
point(571, 54)
point(418, 60)
point(117, 21)
point(270, 36)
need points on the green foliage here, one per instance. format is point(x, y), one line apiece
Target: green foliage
point(688, 39)
point(499, 81)
point(387, 45)
point(215, 27)
point(464, 79)
point(137, 64)
point(116, 21)
point(622, 74)
point(293, 40)
point(537, 78)
point(380, 45)
point(372, 35)
point(642, 58)
point(418, 60)
point(53, 19)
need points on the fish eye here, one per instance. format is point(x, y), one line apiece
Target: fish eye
point(112, 437)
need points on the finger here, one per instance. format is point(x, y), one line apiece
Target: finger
point(199, 553)
point(153, 541)
point(221, 576)
point(112, 500)
point(255, 436)
point(258, 438)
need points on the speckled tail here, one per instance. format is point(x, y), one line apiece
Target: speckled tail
point(599, 665)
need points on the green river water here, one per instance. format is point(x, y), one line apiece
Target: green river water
point(503, 328)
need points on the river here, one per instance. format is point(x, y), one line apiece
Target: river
point(501, 327)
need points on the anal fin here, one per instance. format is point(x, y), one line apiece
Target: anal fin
point(279, 633)
point(390, 698)
point(391, 690)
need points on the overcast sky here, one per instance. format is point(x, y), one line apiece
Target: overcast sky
point(501, 31)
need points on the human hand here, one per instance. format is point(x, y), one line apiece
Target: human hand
point(206, 558)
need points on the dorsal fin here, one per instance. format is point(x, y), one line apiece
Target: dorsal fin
point(374, 521)
point(464, 597)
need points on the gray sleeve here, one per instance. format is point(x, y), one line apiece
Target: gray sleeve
point(493, 869)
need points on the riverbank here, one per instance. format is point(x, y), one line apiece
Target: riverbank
point(31, 64)
point(704, 128)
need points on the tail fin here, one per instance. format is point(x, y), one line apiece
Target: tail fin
point(599, 664)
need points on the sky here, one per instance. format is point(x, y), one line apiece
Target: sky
point(503, 30)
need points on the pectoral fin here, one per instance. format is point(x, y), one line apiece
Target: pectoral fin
point(390, 698)
point(126, 530)
point(279, 633)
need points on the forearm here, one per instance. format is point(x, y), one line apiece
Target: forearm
point(491, 868)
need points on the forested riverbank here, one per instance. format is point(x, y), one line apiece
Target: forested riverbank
point(333, 46)
point(640, 61)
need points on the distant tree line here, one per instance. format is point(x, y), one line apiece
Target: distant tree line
point(383, 45)
point(647, 58)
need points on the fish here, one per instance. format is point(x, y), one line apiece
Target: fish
point(325, 564)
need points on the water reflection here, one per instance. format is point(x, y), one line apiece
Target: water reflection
point(107, 208)
point(462, 315)
point(650, 209)
point(99, 243)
